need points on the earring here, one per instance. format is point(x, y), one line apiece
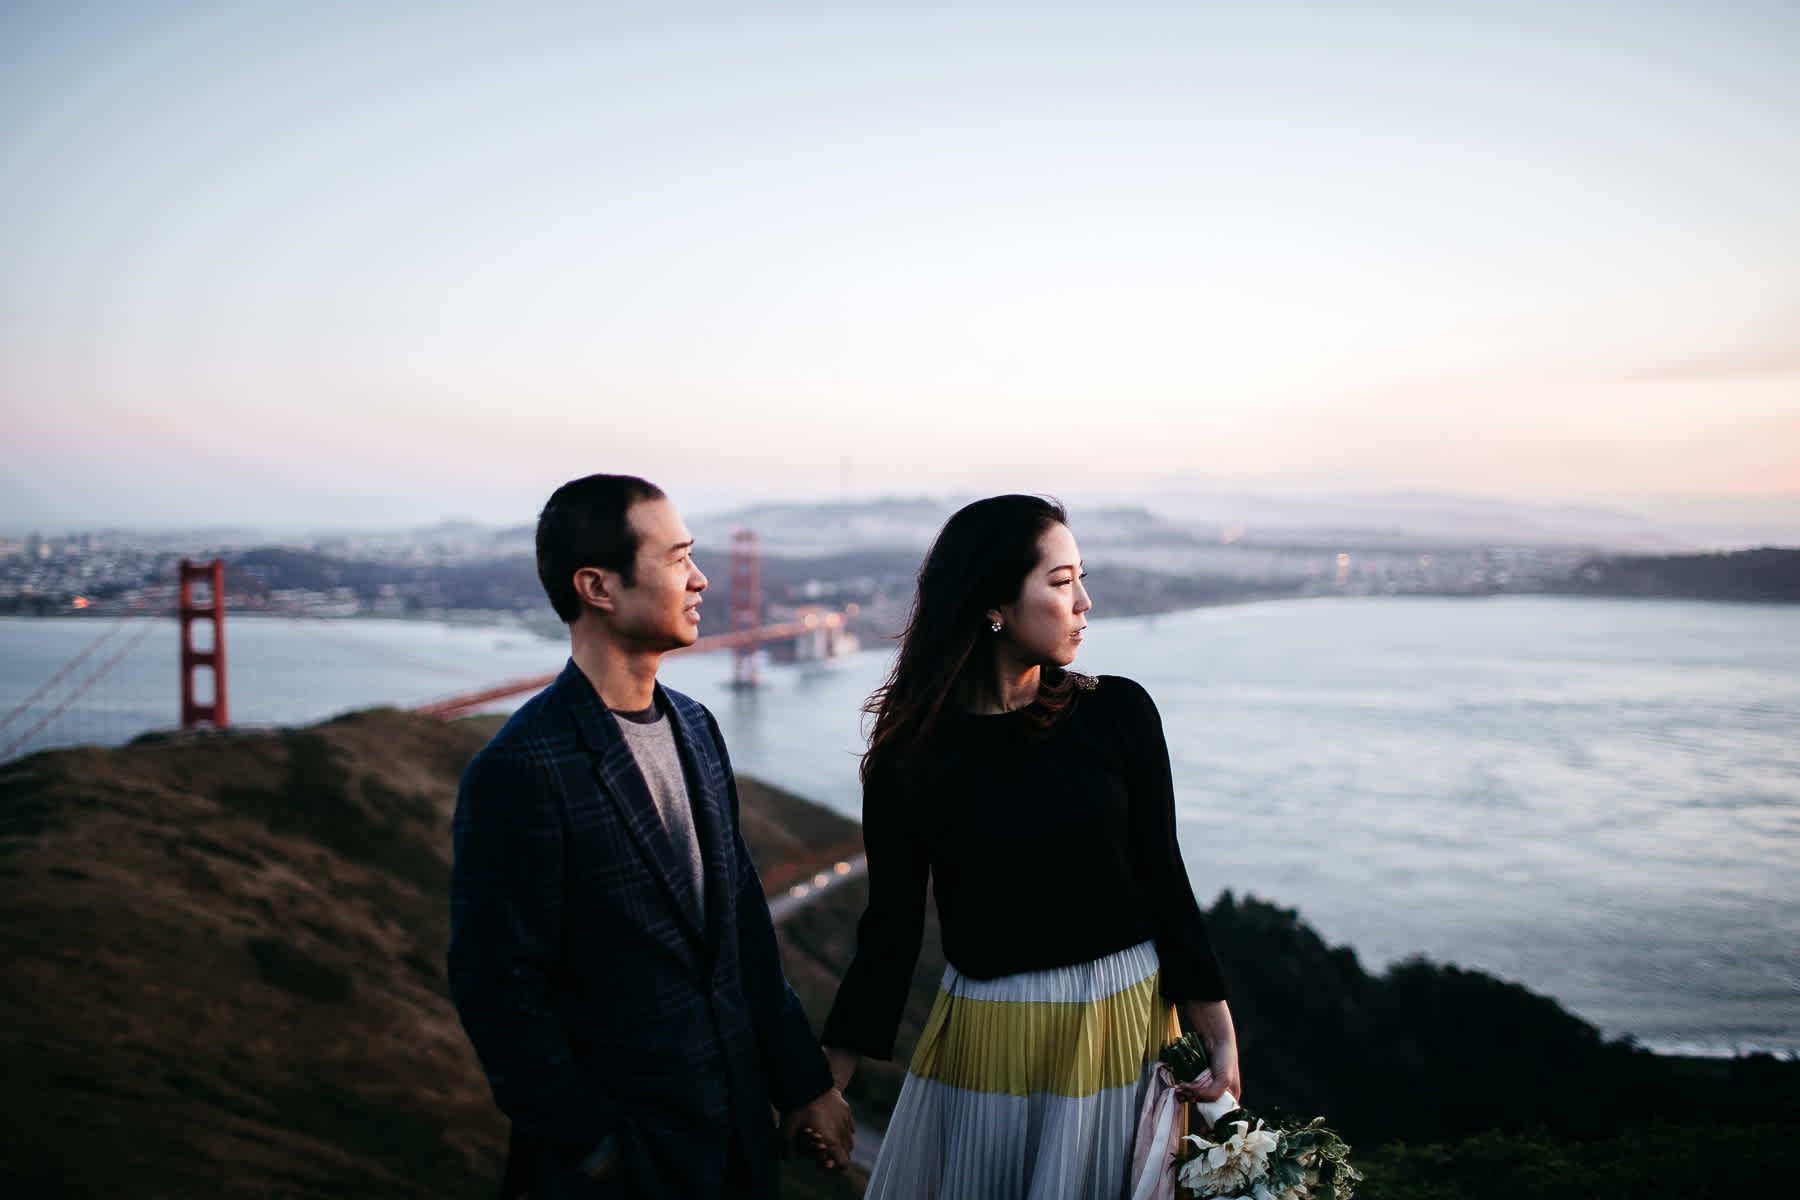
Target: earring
point(996, 627)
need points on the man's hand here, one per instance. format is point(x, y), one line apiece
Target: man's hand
point(824, 1129)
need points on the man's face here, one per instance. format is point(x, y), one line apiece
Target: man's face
point(660, 610)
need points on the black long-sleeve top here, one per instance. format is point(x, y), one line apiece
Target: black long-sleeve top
point(1044, 848)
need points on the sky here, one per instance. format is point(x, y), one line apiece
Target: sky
point(370, 264)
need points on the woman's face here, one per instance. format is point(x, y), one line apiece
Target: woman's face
point(1043, 626)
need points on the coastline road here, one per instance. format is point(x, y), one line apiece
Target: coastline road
point(822, 883)
point(868, 1138)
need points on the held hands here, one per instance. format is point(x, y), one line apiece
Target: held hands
point(807, 1138)
point(823, 1130)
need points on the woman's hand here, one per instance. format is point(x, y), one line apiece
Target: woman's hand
point(1212, 1021)
point(843, 1065)
point(824, 1129)
point(806, 1134)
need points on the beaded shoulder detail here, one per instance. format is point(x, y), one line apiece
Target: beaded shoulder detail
point(1083, 683)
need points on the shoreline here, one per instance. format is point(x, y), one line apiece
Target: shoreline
point(1703, 1054)
point(544, 626)
point(1670, 1042)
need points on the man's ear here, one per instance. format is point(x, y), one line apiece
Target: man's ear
point(596, 587)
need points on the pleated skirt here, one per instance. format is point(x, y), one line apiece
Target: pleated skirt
point(1027, 1087)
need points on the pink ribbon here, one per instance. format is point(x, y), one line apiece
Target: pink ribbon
point(1161, 1126)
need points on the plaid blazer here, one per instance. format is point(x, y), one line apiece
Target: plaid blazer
point(599, 997)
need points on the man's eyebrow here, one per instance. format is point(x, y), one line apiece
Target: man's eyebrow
point(679, 546)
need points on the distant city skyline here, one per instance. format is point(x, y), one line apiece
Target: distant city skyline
point(379, 266)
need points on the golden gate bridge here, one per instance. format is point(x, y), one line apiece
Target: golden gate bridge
point(197, 595)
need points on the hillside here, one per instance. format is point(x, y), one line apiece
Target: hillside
point(225, 959)
point(226, 979)
point(1769, 575)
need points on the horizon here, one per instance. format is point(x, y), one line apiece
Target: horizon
point(385, 263)
point(1690, 524)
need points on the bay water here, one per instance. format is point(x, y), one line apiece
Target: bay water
point(1599, 799)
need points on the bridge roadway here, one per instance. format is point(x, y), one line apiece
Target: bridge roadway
point(737, 639)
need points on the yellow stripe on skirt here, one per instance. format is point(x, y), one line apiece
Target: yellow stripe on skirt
point(1029, 1085)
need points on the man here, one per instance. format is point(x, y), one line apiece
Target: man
point(611, 952)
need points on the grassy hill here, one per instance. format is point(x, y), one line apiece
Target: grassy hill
point(225, 961)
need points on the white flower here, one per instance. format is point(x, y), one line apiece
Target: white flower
point(1230, 1167)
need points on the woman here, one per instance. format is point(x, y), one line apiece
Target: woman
point(1039, 803)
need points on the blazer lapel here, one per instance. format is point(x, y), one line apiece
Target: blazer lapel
point(709, 794)
point(617, 770)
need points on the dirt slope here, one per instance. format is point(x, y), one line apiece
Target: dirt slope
point(225, 965)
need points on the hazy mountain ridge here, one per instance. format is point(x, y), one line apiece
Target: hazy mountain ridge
point(1407, 520)
point(1171, 550)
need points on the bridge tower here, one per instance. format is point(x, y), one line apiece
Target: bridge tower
point(746, 604)
point(194, 713)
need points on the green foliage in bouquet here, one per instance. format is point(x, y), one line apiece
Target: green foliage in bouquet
point(1313, 1161)
point(1186, 1057)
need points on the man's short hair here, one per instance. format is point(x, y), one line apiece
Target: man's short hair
point(584, 525)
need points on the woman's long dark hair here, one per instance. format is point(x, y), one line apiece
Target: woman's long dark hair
point(979, 561)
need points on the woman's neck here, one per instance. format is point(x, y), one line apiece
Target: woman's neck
point(1014, 688)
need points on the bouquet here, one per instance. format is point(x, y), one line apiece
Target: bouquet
point(1240, 1156)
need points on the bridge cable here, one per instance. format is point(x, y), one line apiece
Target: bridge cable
point(131, 614)
point(90, 681)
